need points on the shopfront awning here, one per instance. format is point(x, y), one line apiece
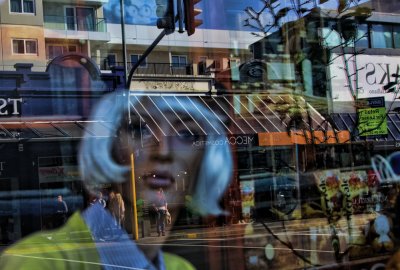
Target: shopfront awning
point(49, 130)
point(347, 121)
point(276, 119)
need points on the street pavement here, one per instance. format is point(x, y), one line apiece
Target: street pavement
point(291, 244)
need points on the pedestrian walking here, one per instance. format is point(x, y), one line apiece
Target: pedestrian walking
point(61, 210)
point(161, 207)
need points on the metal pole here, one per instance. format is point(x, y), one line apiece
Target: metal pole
point(135, 229)
point(144, 55)
point(122, 8)
point(180, 17)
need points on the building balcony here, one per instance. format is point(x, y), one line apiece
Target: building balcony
point(76, 28)
point(101, 2)
point(158, 69)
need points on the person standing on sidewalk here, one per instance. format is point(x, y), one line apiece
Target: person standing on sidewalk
point(119, 214)
point(99, 199)
point(161, 207)
point(61, 210)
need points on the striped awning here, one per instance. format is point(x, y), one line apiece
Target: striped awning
point(271, 117)
point(50, 130)
point(348, 121)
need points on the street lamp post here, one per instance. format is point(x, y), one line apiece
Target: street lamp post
point(122, 9)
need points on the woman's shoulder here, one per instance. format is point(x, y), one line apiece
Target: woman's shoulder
point(175, 262)
point(51, 249)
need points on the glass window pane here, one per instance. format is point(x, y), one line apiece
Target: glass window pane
point(182, 60)
point(144, 63)
point(330, 37)
point(396, 36)
point(54, 51)
point(72, 49)
point(85, 19)
point(111, 59)
point(382, 36)
point(18, 46)
point(362, 36)
point(175, 61)
point(70, 18)
point(134, 58)
point(31, 46)
point(28, 6)
point(16, 6)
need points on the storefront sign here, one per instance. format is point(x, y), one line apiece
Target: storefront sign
point(10, 106)
point(372, 117)
point(303, 137)
point(176, 86)
point(58, 174)
point(373, 72)
point(235, 140)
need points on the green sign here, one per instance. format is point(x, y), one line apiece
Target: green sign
point(372, 121)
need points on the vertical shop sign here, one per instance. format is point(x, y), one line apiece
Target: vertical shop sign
point(247, 194)
point(371, 114)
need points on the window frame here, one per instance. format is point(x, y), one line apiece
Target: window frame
point(179, 64)
point(63, 46)
point(25, 48)
point(115, 58)
point(372, 39)
point(75, 16)
point(143, 64)
point(22, 7)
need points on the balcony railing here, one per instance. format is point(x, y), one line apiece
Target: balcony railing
point(154, 68)
point(75, 23)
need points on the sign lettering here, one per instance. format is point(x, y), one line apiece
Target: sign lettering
point(10, 106)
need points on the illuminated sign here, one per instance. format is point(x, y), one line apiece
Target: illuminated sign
point(372, 118)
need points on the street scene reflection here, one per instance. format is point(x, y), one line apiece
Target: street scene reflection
point(197, 134)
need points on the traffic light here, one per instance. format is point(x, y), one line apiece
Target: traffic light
point(190, 16)
point(166, 15)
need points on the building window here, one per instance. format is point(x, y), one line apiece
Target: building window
point(179, 60)
point(362, 36)
point(396, 36)
point(22, 6)
point(110, 61)
point(330, 37)
point(135, 59)
point(24, 46)
point(382, 36)
point(203, 58)
point(80, 18)
point(55, 50)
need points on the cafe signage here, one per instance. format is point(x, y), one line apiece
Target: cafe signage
point(372, 117)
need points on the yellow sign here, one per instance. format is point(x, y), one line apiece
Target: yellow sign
point(372, 121)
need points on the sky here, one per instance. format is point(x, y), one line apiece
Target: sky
point(217, 14)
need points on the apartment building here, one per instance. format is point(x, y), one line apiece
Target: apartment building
point(36, 31)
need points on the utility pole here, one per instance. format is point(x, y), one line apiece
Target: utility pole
point(122, 9)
